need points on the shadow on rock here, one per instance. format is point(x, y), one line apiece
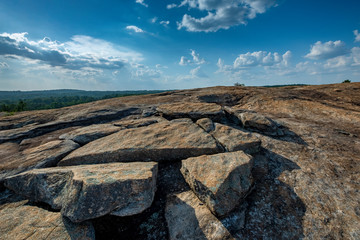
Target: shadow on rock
point(274, 210)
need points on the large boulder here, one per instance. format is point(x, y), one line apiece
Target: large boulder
point(90, 191)
point(45, 155)
point(90, 133)
point(221, 181)
point(191, 110)
point(256, 121)
point(164, 141)
point(187, 218)
point(21, 220)
point(234, 139)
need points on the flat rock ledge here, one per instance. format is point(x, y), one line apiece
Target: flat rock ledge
point(221, 181)
point(188, 218)
point(90, 191)
point(164, 141)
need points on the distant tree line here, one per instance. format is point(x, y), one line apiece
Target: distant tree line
point(50, 102)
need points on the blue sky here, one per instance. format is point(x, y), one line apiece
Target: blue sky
point(176, 44)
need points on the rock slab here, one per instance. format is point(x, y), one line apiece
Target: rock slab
point(21, 220)
point(164, 141)
point(90, 191)
point(221, 181)
point(45, 155)
point(188, 218)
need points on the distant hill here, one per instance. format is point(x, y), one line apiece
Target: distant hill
point(15, 101)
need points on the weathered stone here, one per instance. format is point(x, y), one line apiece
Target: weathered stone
point(188, 218)
point(165, 141)
point(206, 123)
point(90, 133)
point(191, 110)
point(135, 123)
point(21, 220)
point(256, 121)
point(234, 139)
point(221, 181)
point(46, 155)
point(90, 191)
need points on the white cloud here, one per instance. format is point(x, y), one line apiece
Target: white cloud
point(195, 59)
point(261, 58)
point(79, 53)
point(165, 23)
point(142, 2)
point(143, 72)
point(327, 50)
point(357, 35)
point(135, 29)
point(221, 14)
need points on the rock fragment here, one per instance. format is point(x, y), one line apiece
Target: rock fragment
point(164, 141)
point(256, 121)
point(234, 139)
point(188, 218)
point(90, 191)
point(221, 181)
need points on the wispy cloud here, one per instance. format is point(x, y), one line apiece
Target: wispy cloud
point(327, 50)
point(142, 2)
point(135, 29)
point(221, 14)
point(165, 23)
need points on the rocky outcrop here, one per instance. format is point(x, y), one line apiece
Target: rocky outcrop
point(165, 141)
point(302, 179)
point(86, 192)
point(221, 181)
point(188, 218)
point(22, 220)
point(46, 155)
point(191, 110)
point(235, 139)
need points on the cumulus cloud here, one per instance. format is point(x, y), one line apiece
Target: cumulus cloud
point(261, 58)
point(327, 50)
point(221, 14)
point(142, 2)
point(357, 35)
point(170, 6)
point(154, 19)
point(195, 59)
point(80, 53)
point(141, 71)
point(135, 29)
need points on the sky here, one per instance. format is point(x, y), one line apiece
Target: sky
point(176, 44)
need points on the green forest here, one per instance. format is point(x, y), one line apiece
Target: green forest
point(17, 101)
